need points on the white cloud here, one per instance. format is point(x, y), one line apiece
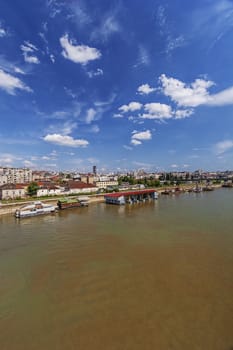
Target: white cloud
point(52, 58)
point(70, 93)
point(135, 142)
point(156, 110)
point(93, 160)
point(90, 117)
point(222, 98)
point(131, 107)
point(117, 115)
point(78, 53)
point(95, 129)
point(108, 27)
point(195, 94)
point(145, 89)
point(96, 73)
point(143, 135)
point(31, 59)
point(174, 43)
point(2, 32)
point(128, 147)
point(138, 137)
point(29, 50)
point(143, 57)
point(28, 163)
point(65, 140)
point(183, 113)
point(18, 70)
point(9, 83)
point(223, 146)
point(185, 95)
point(7, 158)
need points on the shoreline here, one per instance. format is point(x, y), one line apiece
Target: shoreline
point(10, 208)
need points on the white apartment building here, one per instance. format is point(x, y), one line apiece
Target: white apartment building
point(15, 175)
point(106, 181)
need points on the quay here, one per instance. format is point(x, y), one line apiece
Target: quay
point(121, 198)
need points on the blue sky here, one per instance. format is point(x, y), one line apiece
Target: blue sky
point(117, 84)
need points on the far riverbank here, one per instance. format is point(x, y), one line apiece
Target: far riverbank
point(9, 208)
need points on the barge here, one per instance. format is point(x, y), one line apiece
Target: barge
point(67, 203)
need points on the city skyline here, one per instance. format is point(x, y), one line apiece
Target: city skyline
point(120, 86)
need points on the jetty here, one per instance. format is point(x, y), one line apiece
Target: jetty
point(130, 197)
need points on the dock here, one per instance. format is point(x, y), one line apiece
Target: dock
point(130, 197)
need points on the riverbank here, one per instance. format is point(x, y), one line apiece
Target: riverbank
point(10, 208)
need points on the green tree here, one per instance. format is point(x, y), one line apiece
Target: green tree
point(32, 189)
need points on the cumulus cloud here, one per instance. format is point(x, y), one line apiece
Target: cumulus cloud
point(223, 146)
point(10, 83)
point(138, 137)
point(29, 50)
point(131, 107)
point(145, 89)
point(78, 53)
point(186, 95)
point(156, 110)
point(194, 94)
point(65, 140)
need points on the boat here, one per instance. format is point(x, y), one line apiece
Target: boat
point(34, 209)
point(166, 191)
point(208, 188)
point(197, 189)
point(67, 203)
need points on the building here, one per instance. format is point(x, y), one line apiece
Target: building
point(49, 191)
point(73, 187)
point(15, 175)
point(102, 182)
point(94, 170)
point(13, 191)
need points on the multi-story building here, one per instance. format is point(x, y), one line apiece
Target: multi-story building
point(106, 181)
point(15, 175)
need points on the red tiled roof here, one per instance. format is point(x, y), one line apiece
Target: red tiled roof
point(129, 193)
point(79, 185)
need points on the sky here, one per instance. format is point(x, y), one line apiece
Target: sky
point(122, 85)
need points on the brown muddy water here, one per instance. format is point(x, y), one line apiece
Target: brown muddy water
point(153, 275)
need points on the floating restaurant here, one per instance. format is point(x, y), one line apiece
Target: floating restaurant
point(130, 197)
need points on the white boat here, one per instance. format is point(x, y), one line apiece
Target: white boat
point(34, 209)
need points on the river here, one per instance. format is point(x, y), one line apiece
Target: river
point(155, 275)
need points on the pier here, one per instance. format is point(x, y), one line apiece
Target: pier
point(130, 197)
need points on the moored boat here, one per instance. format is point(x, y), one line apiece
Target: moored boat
point(67, 203)
point(34, 209)
point(208, 188)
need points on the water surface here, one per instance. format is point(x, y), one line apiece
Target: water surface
point(153, 275)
